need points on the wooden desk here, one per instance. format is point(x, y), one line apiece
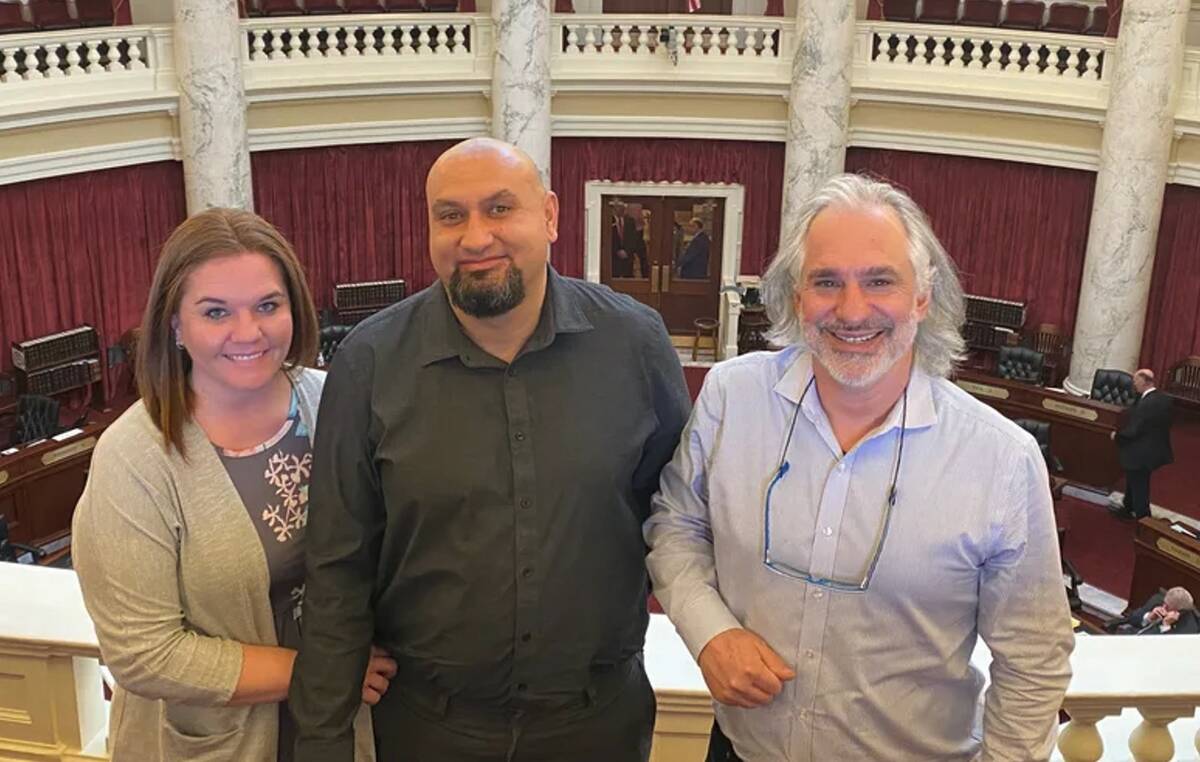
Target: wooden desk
point(1080, 428)
point(1162, 558)
point(41, 483)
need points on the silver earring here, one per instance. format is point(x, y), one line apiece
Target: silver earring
point(178, 342)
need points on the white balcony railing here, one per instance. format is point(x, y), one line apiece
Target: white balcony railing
point(1048, 71)
point(1129, 698)
point(52, 76)
point(306, 56)
point(327, 54)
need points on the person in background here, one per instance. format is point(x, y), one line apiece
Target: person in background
point(1143, 445)
point(1171, 612)
point(694, 262)
point(487, 452)
point(189, 537)
point(841, 522)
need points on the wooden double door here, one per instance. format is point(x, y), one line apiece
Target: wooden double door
point(665, 251)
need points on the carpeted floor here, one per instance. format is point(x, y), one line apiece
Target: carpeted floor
point(1098, 544)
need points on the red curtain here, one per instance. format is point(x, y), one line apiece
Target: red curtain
point(757, 166)
point(353, 213)
point(1173, 315)
point(82, 249)
point(1016, 231)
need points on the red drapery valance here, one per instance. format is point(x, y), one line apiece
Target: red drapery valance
point(1016, 231)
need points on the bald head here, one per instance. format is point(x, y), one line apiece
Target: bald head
point(491, 223)
point(476, 154)
point(1143, 379)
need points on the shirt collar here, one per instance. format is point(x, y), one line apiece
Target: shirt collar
point(1151, 389)
point(799, 372)
point(442, 336)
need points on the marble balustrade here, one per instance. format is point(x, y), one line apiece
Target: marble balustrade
point(333, 39)
point(1003, 52)
point(694, 37)
point(76, 53)
point(318, 55)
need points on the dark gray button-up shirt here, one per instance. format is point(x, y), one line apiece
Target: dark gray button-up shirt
point(482, 521)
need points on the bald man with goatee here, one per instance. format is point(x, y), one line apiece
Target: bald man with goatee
point(484, 460)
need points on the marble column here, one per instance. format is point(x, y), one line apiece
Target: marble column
point(521, 78)
point(212, 104)
point(1138, 131)
point(819, 101)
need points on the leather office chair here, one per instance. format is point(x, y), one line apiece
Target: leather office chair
point(1020, 364)
point(363, 6)
point(279, 8)
point(12, 19)
point(52, 14)
point(900, 10)
point(1114, 387)
point(1073, 577)
point(1069, 18)
point(1023, 14)
point(939, 12)
point(37, 418)
point(1041, 434)
point(323, 6)
point(1049, 340)
point(1183, 379)
point(981, 12)
point(1099, 25)
point(95, 12)
point(331, 336)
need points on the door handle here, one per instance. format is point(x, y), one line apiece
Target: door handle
point(666, 279)
point(654, 276)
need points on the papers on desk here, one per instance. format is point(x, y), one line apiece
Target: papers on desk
point(1181, 529)
point(9, 451)
point(66, 435)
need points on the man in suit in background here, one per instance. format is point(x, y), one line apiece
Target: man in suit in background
point(1143, 444)
point(622, 263)
point(1172, 612)
point(694, 262)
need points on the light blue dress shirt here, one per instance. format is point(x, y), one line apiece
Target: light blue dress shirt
point(882, 674)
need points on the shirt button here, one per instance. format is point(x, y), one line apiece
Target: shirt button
point(526, 637)
point(811, 654)
point(818, 594)
point(842, 466)
point(827, 531)
point(520, 436)
point(804, 714)
point(527, 572)
point(512, 372)
point(525, 503)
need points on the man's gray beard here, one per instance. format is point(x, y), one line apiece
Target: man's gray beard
point(479, 297)
point(861, 371)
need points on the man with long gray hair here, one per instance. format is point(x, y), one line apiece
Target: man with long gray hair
point(840, 522)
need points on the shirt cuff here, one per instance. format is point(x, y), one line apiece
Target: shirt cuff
point(702, 620)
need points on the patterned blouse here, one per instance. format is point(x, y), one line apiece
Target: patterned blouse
point(272, 480)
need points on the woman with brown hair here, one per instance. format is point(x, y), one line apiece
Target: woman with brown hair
point(189, 537)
